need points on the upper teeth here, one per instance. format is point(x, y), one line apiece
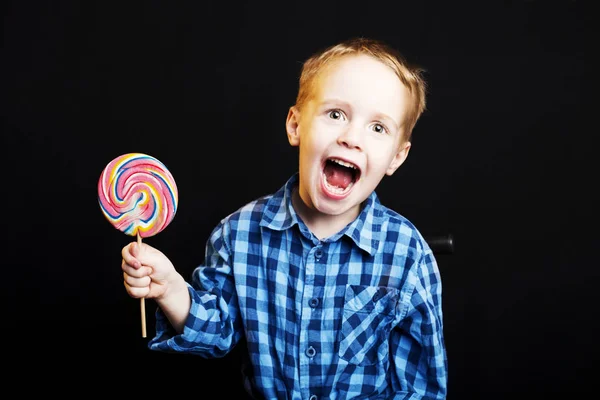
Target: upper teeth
point(343, 163)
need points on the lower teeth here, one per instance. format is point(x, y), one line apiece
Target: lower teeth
point(335, 189)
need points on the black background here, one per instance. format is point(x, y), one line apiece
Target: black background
point(502, 160)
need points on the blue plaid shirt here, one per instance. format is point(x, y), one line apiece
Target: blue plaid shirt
point(356, 315)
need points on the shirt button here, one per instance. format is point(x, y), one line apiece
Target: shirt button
point(310, 352)
point(318, 254)
point(376, 297)
point(313, 397)
point(314, 302)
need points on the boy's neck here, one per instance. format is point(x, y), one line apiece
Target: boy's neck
point(322, 225)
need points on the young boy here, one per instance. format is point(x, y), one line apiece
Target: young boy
point(336, 296)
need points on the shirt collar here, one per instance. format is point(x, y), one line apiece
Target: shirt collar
point(365, 230)
point(279, 213)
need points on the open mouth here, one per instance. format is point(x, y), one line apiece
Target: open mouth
point(340, 176)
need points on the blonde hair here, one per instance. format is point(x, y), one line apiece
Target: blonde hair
point(410, 75)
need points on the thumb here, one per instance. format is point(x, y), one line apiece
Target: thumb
point(144, 253)
point(135, 249)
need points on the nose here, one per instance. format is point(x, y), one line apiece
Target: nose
point(350, 137)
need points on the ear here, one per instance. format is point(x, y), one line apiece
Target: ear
point(399, 158)
point(291, 126)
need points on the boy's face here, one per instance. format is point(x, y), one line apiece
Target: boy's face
point(350, 134)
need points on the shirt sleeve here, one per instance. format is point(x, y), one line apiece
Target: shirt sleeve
point(212, 328)
point(417, 343)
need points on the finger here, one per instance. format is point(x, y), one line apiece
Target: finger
point(135, 272)
point(137, 292)
point(134, 282)
point(129, 254)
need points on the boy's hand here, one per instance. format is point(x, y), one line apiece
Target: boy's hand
point(147, 272)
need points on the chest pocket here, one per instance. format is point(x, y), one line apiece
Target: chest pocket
point(366, 323)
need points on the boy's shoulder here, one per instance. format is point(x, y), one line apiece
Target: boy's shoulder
point(394, 218)
point(272, 210)
point(392, 221)
point(255, 207)
point(250, 212)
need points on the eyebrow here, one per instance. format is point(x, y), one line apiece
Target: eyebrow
point(389, 120)
point(335, 101)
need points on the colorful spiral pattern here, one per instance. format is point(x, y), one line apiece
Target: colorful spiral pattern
point(137, 194)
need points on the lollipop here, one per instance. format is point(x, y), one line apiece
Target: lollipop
point(138, 196)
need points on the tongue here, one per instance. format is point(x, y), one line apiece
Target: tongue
point(337, 175)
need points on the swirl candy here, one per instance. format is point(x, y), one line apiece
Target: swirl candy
point(137, 194)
